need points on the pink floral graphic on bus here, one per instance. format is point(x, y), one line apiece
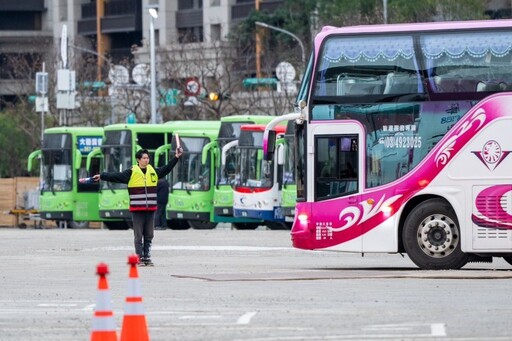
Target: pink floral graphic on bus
point(491, 155)
point(490, 211)
point(353, 216)
point(448, 147)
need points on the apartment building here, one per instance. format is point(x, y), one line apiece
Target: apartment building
point(110, 32)
point(113, 32)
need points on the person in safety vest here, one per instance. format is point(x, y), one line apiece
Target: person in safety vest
point(142, 180)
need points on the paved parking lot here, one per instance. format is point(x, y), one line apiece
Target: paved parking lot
point(226, 284)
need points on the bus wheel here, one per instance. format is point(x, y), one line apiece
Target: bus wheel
point(431, 236)
point(508, 259)
point(202, 225)
point(116, 225)
point(245, 226)
point(78, 224)
point(178, 224)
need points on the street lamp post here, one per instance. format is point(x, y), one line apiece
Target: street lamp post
point(153, 12)
point(303, 55)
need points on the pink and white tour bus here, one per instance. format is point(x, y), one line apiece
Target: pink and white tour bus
point(402, 142)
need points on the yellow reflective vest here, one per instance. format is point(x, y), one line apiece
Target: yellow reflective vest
point(142, 189)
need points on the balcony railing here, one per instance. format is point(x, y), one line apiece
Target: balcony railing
point(22, 6)
point(189, 18)
point(122, 7)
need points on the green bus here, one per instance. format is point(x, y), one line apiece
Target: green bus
point(121, 143)
point(63, 161)
point(225, 171)
point(191, 181)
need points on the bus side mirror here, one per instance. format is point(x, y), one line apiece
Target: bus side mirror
point(280, 155)
point(78, 159)
point(269, 144)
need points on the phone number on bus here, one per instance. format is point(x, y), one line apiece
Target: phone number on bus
point(401, 141)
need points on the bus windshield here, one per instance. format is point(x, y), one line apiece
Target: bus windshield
point(229, 131)
point(381, 85)
point(376, 68)
point(254, 171)
point(57, 163)
point(117, 151)
point(190, 174)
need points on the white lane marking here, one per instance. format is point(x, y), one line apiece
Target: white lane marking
point(89, 307)
point(57, 305)
point(246, 318)
point(195, 248)
point(191, 317)
point(438, 329)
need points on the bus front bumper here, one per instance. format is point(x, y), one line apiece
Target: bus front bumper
point(115, 214)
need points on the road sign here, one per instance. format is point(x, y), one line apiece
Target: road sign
point(42, 82)
point(192, 87)
point(41, 104)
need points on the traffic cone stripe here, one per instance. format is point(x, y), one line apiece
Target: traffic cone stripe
point(134, 299)
point(103, 300)
point(134, 322)
point(134, 287)
point(103, 323)
point(103, 313)
point(133, 309)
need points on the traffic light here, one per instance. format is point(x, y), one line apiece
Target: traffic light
point(216, 96)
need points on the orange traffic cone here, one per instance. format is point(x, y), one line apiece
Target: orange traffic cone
point(134, 322)
point(103, 324)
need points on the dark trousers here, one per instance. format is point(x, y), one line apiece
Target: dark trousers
point(161, 216)
point(143, 230)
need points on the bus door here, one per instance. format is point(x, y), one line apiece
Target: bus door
point(337, 167)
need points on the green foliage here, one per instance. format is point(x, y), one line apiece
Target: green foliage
point(16, 147)
point(357, 12)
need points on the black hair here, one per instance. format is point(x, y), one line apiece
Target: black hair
point(141, 152)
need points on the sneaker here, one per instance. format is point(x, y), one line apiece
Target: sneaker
point(142, 262)
point(148, 262)
point(160, 228)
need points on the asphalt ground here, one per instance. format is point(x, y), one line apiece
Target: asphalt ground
point(226, 284)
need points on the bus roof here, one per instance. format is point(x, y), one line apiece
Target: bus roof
point(142, 127)
point(211, 132)
point(415, 27)
point(412, 27)
point(192, 124)
point(280, 129)
point(248, 118)
point(74, 130)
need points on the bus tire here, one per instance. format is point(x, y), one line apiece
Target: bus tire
point(116, 225)
point(431, 236)
point(508, 259)
point(245, 226)
point(202, 225)
point(177, 224)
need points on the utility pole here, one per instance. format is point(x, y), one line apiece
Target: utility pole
point(258, 45)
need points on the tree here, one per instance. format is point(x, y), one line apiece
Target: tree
point(357, 12)
point(13, 156)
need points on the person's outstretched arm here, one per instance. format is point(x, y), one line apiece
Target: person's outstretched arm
point(121, 177)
